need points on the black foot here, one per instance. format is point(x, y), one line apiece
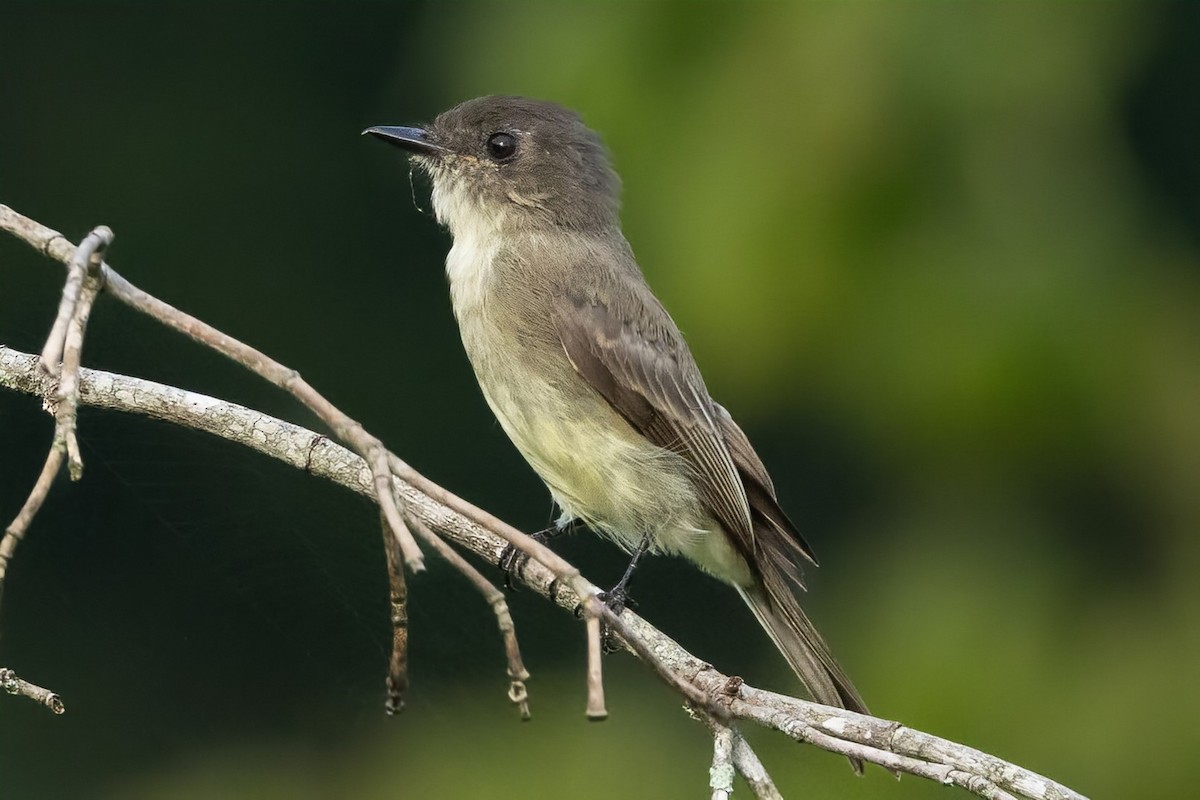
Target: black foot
point(617, 599)
point(512, 561)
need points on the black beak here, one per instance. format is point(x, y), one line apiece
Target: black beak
point(414, 140)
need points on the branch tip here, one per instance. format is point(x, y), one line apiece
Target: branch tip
point(397, 677)
point(596, 710)
point(895, 747)
point(517, 692)
point(12, 684)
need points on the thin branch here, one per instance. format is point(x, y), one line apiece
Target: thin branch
point(518, 694)
point(389, 507)
point(596, 710)
point(16, 529)
point(583, 597)
point(54, 245)
point(722, 771)
point(60, 359)
point(10, 683)
point(86, 262)
point(52, 351)
point(879, 741)
point(891, 745)
point(743, 758)
point(397, 678)
point(49, 242)
point(750, 768)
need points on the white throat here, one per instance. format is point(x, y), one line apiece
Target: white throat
point(476, 234)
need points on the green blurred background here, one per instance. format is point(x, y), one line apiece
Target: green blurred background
point(940, 260)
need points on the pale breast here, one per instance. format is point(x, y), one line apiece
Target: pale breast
point(598, 468)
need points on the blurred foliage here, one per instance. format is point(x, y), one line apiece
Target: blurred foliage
point(939, 259)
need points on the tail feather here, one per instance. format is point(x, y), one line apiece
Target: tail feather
point(804, 649)
point(774, 552)
point(806, 652)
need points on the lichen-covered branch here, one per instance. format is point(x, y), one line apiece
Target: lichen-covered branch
point(54, 245)
point(886, 743)
point(404, 494)
point(12, 684)
point(383, 464)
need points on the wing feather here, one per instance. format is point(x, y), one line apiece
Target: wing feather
point(641, 366)
point(760, 492)
point(647, 375)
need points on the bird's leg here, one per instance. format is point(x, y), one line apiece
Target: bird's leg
point(617, 598)
point(512, 560)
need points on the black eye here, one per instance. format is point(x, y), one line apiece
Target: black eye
point(501, 145)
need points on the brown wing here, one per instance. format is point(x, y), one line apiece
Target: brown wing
point(783, 537)
point(645, 372)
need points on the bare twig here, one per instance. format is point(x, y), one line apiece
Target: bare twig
point(392, 482)
point(397, 678)
point(60, 359)
point(584, 597)
point(721, 773)
point(54, 245)
point(16, 529)
point(890, 744)
point(517, 674)
point(389, 508)
point(10, 683)
point(52, 351)
point(596, 710)
point(84, 259)
point(741, 756)
point(86, 262)
point(752, 770)
point(565, 573)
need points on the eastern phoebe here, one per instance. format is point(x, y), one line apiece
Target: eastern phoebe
point(587, 373)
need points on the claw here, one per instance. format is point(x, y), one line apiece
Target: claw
point(512, 561)
point(618, 599)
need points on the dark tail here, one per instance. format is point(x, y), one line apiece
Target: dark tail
point(774, 551)
point(780, 615)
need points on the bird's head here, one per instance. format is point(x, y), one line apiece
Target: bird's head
point(513, 161)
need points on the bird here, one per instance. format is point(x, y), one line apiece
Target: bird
point(590, 377)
